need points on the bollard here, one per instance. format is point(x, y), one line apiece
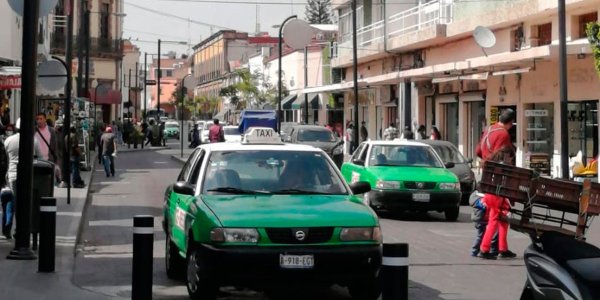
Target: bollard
point(394, 272)
point(143, 241)
point(47, 234)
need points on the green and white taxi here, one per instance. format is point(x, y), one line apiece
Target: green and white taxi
point(404, 176)
point(259, 213)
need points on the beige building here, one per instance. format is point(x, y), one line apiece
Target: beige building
point(132, 83)
point(420, 64)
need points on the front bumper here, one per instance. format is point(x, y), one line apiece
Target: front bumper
point(403, 200)
point(259, 266)
point(171, 134)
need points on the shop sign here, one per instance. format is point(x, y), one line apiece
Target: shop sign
point(536, 113)
point(494, 113)
point(10, 82)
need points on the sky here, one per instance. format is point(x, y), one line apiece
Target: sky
point(145, 27)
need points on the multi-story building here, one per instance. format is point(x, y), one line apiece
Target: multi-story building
point(169, 68)
point(105, 52)
point(420, 64)
point(132, 82)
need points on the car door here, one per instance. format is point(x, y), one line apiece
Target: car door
point(173, 197)
point(180, 202)
point(354, 169)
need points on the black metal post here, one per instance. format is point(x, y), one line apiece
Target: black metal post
point(407, 104)
point(129, 89)
point(68, 93)
point(143, 242)
point(137, 88)
point(86, 83)
point(158, 85)
point(394, 272)
point(279, 83)
point(354, 143)
point(22, 249)
point(306, 84)
point(564, 100)
point(47, 250)
point(145, 85)
point(80, 47)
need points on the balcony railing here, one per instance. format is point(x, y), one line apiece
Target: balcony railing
point(98, 46)
point(368, 34)
point(420, 17)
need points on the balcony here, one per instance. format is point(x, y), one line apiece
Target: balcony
point(99, 47)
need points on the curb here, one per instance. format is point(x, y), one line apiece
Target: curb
point(178, 159)
point(78, 244)
point(125, 150)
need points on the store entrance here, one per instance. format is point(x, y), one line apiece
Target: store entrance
point(583, 129)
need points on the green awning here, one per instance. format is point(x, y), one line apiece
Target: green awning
point(313, 101)
point(286, 103)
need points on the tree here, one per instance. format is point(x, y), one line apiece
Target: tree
point(593, 35)
point(318, 12)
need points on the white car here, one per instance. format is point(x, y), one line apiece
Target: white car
point(232, 134)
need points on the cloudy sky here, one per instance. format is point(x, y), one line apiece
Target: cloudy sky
point(150, 20)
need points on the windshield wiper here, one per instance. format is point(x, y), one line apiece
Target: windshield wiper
point(232, 190)
point(299, 191)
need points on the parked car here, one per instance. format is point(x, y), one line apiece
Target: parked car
point(286, 127)
point(263, 213)
point(320, 137)
point(232, 134)
point(171, 130)
point(204, 131)
point(405, 176)
point(462, 166)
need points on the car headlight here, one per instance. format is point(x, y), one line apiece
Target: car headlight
point(449, 186)
point(355, 234)
point(387, 185)
point(338, 150)
point(234, 235)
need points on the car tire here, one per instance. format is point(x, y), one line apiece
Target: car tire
point(198, 285)
point(174, 263)
point(452, 213)
point(367, 289)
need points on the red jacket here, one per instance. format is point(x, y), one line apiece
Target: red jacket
point(494, 137)
point(215, 133)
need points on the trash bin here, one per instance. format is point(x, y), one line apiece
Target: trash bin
point(43, 186)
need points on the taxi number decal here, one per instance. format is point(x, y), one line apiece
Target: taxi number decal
point(180, 218)
point(355, 177)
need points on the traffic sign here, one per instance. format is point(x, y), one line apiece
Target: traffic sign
point(150, 82)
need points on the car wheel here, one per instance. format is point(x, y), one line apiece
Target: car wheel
point(452, 213)
point(174, 263)
point(199, 287)
point(368, 289)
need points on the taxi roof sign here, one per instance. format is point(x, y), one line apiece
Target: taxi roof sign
point(261, 135)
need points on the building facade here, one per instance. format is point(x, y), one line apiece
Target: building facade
point(132, 83)
point(169, 68)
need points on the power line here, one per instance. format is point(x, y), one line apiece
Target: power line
point(165, 14)
point(304, 4)
point(154, 33)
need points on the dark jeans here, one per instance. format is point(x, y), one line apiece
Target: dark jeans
point(8, 211)
point(109, 165)
point(480, 231)
point(76, 178)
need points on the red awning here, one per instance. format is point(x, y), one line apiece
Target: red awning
point(8, 82)
point(110, 97)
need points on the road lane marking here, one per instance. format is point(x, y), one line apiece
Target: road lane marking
point(69, 213)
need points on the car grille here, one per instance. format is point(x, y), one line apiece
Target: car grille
point(416, 185)
point(312, 235)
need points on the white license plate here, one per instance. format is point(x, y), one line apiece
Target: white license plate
point(296, 261)
point(421, 197)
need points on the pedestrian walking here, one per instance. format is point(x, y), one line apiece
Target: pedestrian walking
point(408, 134)
point(109, 151)
point(119, 131)
point(435, 134)
point(495, 145)
point(74, 158)
point(195, 137)
point(350, 138)
point(480, 216)
point(390, 133)
point(216, 133)
point(364, 134)
point(48, 140)
point(11, 145)
point(421, 133)
point(127, 132)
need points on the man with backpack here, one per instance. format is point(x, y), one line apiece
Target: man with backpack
point(496, 145)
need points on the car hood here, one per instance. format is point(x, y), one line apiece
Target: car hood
point(392, 173)
point(325, 146)
point(461, 170)
point(290, 210)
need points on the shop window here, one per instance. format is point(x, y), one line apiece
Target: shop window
point(584, 20)
point(539, 136)
point(541, 35)
point(582, 120)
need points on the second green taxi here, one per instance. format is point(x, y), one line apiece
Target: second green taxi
point(404, 176)
point(261, 214)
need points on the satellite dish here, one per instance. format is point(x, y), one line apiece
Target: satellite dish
point(297, 34)
point(484, 37)
point(46, 6)
point(52, 75)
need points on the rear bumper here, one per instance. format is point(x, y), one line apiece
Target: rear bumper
point(403, 200)
point(260, 266)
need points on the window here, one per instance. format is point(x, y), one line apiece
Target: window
point(403, 155)
point(196, 172)
point(305, 135)
point(104, 20)
point(584, 20)
point(169, 73)
point(544, 34)
point(185, 171)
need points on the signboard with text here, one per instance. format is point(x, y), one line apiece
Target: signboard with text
point(10, 82)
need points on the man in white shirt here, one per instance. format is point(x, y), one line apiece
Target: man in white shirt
point(46, 138)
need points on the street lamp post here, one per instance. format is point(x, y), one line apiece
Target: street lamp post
point(355, 76)
point(279, 83)
point(183, 89)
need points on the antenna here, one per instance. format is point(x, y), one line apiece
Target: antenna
point(484, 37)
point(257, 29)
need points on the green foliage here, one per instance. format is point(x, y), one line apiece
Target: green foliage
point(593, 34)
point(318, 12)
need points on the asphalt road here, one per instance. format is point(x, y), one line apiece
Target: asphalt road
point(440, 264)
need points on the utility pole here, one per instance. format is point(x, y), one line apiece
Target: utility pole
point(80, 47)
point(355, 76)
point(129, 91)
point(158, 85)
point(66, 174)
point(86, 84)
point(306, 84)
point(145, 86)
point(137, 88)
point(562, 71)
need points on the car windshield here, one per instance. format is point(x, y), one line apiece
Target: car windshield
point(404, 155)
point(231, 131)
point(449, 154)
point(312, 135)
point(271, 172)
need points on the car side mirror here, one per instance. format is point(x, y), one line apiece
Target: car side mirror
point(359, 162)
point(449, 165)
point(184, 188)
point(360, 187)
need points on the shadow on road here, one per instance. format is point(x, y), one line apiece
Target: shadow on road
point(418, 291)
point(422, 216)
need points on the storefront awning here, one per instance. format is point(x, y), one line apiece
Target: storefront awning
point(286, 103)
point(313, 101)
point(337, 87)
point(109, 97)
point(10, 78)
